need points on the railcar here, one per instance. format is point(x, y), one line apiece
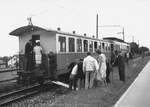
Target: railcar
point(59, 50)
point(118, 44)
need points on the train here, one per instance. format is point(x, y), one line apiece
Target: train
point(60, 49)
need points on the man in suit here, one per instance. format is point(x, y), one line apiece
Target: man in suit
point(29, 55)
point(120, 62)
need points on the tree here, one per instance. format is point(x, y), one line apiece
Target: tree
point(5, 59)
point(143, 49)
point(134, 48)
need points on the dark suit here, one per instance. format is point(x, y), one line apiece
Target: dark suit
point(29, 56)
point(121, 67)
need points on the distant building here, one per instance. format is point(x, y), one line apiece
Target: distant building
point(13, 61)
point(2, 64)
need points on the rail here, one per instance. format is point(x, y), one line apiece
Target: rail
point(8, 70)
point(18, 94)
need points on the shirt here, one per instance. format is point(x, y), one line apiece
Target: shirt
point(37, 50)
point(74, 70)
point(90, 64)
point(28, 49)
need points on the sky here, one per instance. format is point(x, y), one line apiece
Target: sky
point(78, 15)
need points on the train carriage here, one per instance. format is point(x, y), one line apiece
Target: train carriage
point(118, 44)
point(59, 48)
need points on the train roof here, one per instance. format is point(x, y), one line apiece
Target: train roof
point(31, 28)
point(114, 39)
point(25, 29)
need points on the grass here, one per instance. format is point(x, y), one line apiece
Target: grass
point(102, 96)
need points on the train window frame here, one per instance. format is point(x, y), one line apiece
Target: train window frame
point(99, 45)
point(103, 45)
point(79, 45)
point(85, 46)
point(71, 44)
point(90, 45)
point(95, 45)
point(106, 47)
point(62, 44)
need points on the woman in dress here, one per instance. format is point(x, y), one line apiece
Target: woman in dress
point(101, 74)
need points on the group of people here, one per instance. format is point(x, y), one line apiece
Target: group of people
point(90, 70)
point(33, 54)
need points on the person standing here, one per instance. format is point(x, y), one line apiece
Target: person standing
point(108, 71)
point(29, 55)
point(72, 77)
point(113, 57)
point(120, 62)
point(128, 57)
point(38, 53)
point(90, 66)
point(80, 75)
point(102, 66)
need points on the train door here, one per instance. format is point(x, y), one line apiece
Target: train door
point(34, 38)
point(79, 48)
point(71, 55)
point(61, 54)
point(85, 47)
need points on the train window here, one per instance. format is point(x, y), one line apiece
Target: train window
point(79, 45)
point(71, 45)
point(62, 44)
point(103, 45)
point(91, 46)
point(95, 45)
point(99, 46)
point(109, 48)
point(85, 42)
point(106, 46)
point(112, 47)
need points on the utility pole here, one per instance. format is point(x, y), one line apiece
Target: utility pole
point(123, 33)
point(97, 26)
point(132, 38)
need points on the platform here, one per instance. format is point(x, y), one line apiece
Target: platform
point(138, 94)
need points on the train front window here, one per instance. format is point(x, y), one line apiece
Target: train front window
point(85, 42)
point(79, 45)
point(71, 45)
point(62, 44)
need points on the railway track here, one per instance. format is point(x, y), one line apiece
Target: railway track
point(10, 97)
point(28, 91)
point(8, 75)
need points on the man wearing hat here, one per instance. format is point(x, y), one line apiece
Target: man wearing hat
point(119, 61)
point(29, 55)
